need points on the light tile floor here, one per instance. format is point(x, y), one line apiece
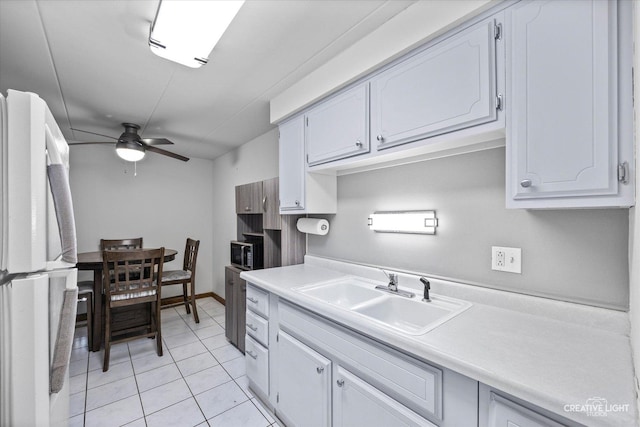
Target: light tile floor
point(200, 380)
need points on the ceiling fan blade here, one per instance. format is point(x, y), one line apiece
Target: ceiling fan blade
point(166, 153)
point(93, 133)
point(156, 141)
point(90, 142)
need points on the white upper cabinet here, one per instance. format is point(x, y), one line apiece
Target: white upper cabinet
point(302, 192)
point(339, 127)
point(291, 159)
point(567, 139)
point(449, 86)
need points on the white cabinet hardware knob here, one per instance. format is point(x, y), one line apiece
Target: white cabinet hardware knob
point(297, 202)
point(380, 138)
point(358, 144)
point(340, 382)
point(320, 369)
point(525, 183)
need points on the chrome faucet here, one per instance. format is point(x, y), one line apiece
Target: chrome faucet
point(392, 287)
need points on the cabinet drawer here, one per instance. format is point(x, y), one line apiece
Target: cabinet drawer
point(257, 359)
point(258, 328)
point(258, 300)
point(412, 383)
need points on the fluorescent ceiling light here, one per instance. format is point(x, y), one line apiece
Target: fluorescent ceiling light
point(186, 31)
point(412, 222)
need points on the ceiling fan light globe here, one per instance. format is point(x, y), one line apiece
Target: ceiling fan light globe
point(129, 151)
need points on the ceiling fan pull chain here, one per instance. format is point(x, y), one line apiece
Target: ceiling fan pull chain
point(135, 168)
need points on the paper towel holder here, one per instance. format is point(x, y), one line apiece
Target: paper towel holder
point(409, 222)
point(316, 226)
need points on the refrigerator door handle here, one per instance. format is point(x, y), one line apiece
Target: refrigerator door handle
point(64, 340)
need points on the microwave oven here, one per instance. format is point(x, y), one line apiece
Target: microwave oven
point(246, 255)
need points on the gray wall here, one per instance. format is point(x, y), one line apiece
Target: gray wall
point(573, 255)
point(167, 202)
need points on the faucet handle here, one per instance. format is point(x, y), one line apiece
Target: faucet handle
point(393, 277)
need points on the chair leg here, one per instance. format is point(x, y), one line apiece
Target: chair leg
point(158, 322)
point(90, 319)
point(185, 298)
point(107, 338)
point(193, 302)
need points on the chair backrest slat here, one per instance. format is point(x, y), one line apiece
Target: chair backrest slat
point(191, 255)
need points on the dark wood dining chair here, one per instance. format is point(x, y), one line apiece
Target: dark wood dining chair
point(134, 282)
point(118, 244)
point(184, 277)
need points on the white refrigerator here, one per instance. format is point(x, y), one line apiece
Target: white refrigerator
point(38, 278)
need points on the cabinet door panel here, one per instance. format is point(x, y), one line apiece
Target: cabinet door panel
point(292, 164)
point(339, 127)
point(257, 359)
point(249, 198)
point(271, 204)
point(230, 325)
point(358, 403)
point(240, 307)
point(303, 378)
point(562, 132)
point(447, 87)
point(504, 413)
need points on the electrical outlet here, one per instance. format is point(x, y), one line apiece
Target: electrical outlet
point(506, 259)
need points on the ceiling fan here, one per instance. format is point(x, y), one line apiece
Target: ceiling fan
point(130, 147)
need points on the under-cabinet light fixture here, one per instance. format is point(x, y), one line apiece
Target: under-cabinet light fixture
point(185, 31)
point(410, 222)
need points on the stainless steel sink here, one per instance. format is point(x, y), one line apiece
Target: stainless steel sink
point(411, 316)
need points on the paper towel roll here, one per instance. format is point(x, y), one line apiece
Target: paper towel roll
point(313, 226)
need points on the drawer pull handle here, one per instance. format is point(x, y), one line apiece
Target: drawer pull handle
point(358, 144)
point(380, 138)
point(253, 300)
point(525, 183)
point(252, 354)
point(320, 369)
point(250, 326)
point(340, 382)
point(247, 208)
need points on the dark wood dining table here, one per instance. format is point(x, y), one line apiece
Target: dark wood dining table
point(93, 261)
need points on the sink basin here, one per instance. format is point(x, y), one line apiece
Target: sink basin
point(344, 293)
point(412, 316)
point(408, 315)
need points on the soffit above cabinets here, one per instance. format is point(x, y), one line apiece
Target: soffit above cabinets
point(90, 61)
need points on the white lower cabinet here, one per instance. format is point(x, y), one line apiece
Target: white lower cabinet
point(497, 409)
point(257, 365)
point(357, 403)
point(304, 379)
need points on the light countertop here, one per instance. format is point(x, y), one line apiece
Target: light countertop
point(546, 352)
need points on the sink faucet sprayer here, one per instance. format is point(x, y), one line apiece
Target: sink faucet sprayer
point(427, 286)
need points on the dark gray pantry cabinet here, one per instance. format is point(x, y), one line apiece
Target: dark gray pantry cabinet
point(259, 220)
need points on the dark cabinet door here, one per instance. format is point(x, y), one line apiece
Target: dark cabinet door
point(235, 306)
point(249, 198)
point(230, 326)
point(271, 203)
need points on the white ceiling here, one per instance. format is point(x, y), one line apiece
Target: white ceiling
point(91, 62)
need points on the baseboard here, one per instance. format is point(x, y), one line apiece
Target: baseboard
point(177, 300)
